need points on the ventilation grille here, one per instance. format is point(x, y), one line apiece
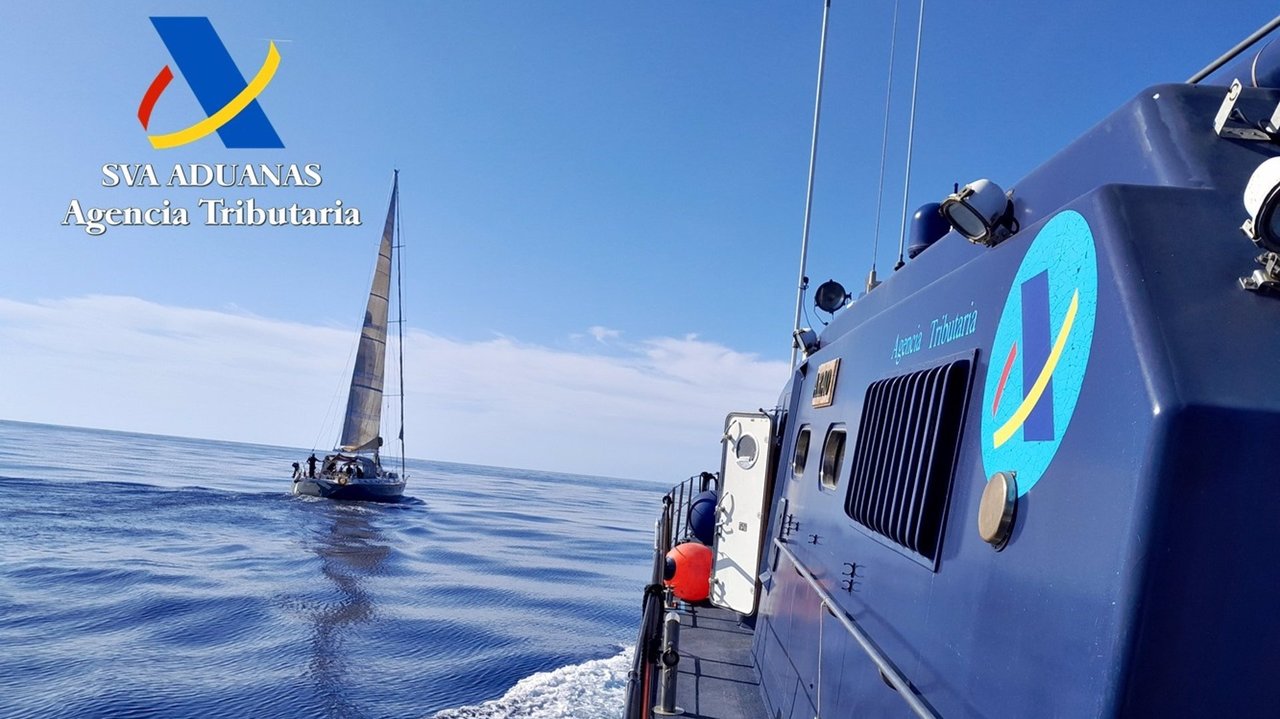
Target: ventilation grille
point(905, 453)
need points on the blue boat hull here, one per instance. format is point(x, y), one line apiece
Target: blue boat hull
point(358, 490)
point(1057, 495)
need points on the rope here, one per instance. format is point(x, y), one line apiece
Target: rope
point(326, 425)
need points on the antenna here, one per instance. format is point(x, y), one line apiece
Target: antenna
point(802, 283)
point(911, 134)
point(884, 150)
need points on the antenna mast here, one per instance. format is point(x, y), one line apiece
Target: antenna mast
point(911, 134)
point(872, 282)
point(803, 282)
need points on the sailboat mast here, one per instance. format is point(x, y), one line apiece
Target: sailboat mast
point(399, 245)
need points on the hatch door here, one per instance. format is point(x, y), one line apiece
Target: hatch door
point(746, 463)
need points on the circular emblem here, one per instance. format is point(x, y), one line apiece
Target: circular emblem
point(1040, 352)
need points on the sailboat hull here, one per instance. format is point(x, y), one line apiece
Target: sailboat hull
point(381, 489)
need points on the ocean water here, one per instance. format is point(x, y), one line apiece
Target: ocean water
point(145, 576)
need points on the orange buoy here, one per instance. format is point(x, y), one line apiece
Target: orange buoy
point(688, 571)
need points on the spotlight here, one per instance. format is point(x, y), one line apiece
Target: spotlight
point(1261, 196)
point(980, 211)
point(830, 296)
point(806, 339)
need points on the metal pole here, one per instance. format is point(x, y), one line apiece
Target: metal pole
point(399, 245)
point(808, 195)
point(666, 526)
point(658, 552)
point(669, 659)
point(1230, 54)
point(911, 134)
point(822, 610)
point(872, 282)
point(680, 512)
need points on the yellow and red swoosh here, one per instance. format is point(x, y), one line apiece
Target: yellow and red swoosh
point(216, 120)
point(1006, 430)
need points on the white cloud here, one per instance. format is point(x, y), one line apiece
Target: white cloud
point(653, 409)
point(603, 333)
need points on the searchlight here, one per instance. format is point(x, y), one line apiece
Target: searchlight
point(980, 211)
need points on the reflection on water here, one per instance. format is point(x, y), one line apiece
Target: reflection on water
point(352, 552)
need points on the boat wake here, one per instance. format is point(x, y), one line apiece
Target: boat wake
point(591, 690)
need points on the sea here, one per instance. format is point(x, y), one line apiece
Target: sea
point(149, 576)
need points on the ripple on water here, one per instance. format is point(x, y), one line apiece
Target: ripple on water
point(126, 590)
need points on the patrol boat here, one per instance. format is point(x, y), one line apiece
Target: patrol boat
point(1030, 473)
point(354, 470)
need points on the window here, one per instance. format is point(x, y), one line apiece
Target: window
point(801, 456)
point(832, 456)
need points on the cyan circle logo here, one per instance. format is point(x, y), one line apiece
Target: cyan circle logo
point(1041, 351)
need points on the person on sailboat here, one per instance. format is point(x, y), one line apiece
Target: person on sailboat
point(297, 471)
point(311, 465)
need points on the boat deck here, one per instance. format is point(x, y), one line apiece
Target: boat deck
point(716, 677)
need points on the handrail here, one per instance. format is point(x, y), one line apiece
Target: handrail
point(1235, 51)
point(640, 688)
point(672, 526)
point(890, 672)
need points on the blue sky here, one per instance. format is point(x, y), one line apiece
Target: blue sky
point(602, 202)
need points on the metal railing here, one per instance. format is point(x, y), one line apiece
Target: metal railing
point(672, 527)
point(681, 496)
point(1233, 52)
point(887, 669)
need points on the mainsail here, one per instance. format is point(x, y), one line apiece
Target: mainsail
point(361, 427)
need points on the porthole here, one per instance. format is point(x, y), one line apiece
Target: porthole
point(832, 456)
point(801, 456)
point(745, 451)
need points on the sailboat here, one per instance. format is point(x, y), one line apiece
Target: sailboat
point(354, 470)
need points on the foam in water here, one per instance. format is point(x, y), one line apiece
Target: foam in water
point(591, 690)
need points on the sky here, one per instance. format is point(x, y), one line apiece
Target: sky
point(601, 203)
